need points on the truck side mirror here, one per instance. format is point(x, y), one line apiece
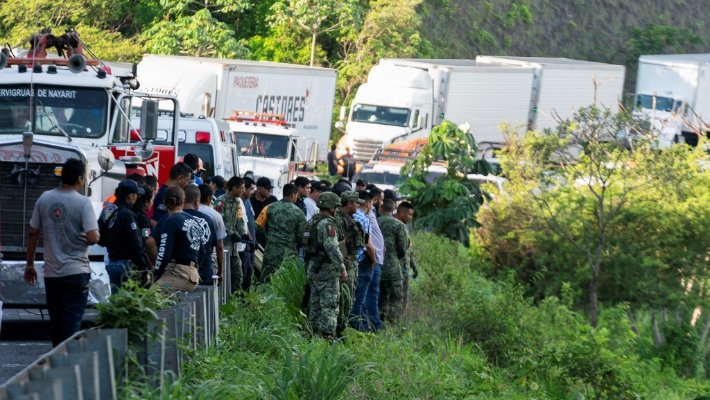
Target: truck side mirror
point(420, 121)
point(343, 109)
point(149, 120)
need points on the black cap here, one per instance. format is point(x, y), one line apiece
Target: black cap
point(361, 182)
point(130, 186)
point(264, 182)
point(218, 181)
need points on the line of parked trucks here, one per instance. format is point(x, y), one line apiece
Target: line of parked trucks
point(279, 116)
point(275, 119)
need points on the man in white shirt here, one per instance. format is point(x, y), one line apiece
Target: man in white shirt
point(206, 196)
point(317, 188)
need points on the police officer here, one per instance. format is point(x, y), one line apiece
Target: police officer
point(325, 267)
point(284, 225)
point(229, 207)
point(121, 236)
point(351, 238)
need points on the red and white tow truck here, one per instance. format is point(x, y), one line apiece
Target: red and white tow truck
point(56, 107)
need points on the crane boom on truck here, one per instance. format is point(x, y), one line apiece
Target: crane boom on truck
point(52, 109)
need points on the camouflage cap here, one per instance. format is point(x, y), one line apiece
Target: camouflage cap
point(352, 196)
point(328, 200)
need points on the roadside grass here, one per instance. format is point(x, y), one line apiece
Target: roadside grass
point(462, 337)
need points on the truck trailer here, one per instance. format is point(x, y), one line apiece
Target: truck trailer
point(675, 90)
point(405, 99)
point(250, 96)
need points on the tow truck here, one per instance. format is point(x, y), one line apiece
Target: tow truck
point(57, 107)
point(269, 147)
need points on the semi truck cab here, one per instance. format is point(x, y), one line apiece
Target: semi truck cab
point(395, 104)
point(269, 147)
point(53, 109)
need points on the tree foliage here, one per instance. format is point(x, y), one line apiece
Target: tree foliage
point(449, 204)
point(316, 17)
point(390, 29)
point(195, 32)
point(614, 218)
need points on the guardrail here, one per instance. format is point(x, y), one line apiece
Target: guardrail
point(84, 367)
point(92, 363)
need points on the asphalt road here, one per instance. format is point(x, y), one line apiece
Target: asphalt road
point(24, 337)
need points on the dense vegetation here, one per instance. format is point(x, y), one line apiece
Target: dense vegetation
point(464, 336)
point(351, 35)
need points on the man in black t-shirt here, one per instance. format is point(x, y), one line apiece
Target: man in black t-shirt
point(180, 175)
point(332, 161)
point(262, 197)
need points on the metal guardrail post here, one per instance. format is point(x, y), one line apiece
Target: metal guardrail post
point(84, 367)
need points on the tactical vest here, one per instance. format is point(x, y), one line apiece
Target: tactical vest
point(352, 237)
point(313, 249)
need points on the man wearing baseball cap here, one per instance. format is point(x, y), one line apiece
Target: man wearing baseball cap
point(121, 236)
point(262, 197)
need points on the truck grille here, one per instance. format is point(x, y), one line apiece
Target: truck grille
point(364, 150)
point(12, 199)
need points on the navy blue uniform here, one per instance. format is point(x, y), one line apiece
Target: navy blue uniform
point(180, 240)
point(159, 210)
point(209, 242)
point(120, 234)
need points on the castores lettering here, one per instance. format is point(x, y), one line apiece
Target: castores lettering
point(292, 107)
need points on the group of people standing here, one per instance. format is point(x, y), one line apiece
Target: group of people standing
point(354, 245)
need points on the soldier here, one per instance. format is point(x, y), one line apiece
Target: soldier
point(325, 267)
point(404, 213)
point(391, 285)
point(284, 228)
point(229, 207)
point(351, 238)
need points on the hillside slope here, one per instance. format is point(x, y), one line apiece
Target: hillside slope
point(596, 30)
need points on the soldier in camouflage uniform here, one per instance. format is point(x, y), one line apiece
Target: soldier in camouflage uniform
point(284, 228)
point(405, 211)
point(325, 267)
point(351, 238)
point(391, 300)
point(230, 209)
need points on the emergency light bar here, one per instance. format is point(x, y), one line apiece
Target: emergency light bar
point(62, 62)
point(263, 118)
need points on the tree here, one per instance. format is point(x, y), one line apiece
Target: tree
point(195, 31)
point(101, 25)
point(315, 16)
point(449, 204)
point(584, 176)
point(390, 29)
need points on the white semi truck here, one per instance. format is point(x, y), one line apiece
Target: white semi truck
point(53, 109)
point(404, 99)
point(675, 90)
point(281, 114)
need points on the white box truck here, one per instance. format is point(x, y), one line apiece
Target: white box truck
point(675, 89)
point(562, 85)
point(301, 98)
point(404, 99)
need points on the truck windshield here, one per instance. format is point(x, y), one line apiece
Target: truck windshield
point(79, 112)
point(262, 145)
point(662, 103)
point(380, 115)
